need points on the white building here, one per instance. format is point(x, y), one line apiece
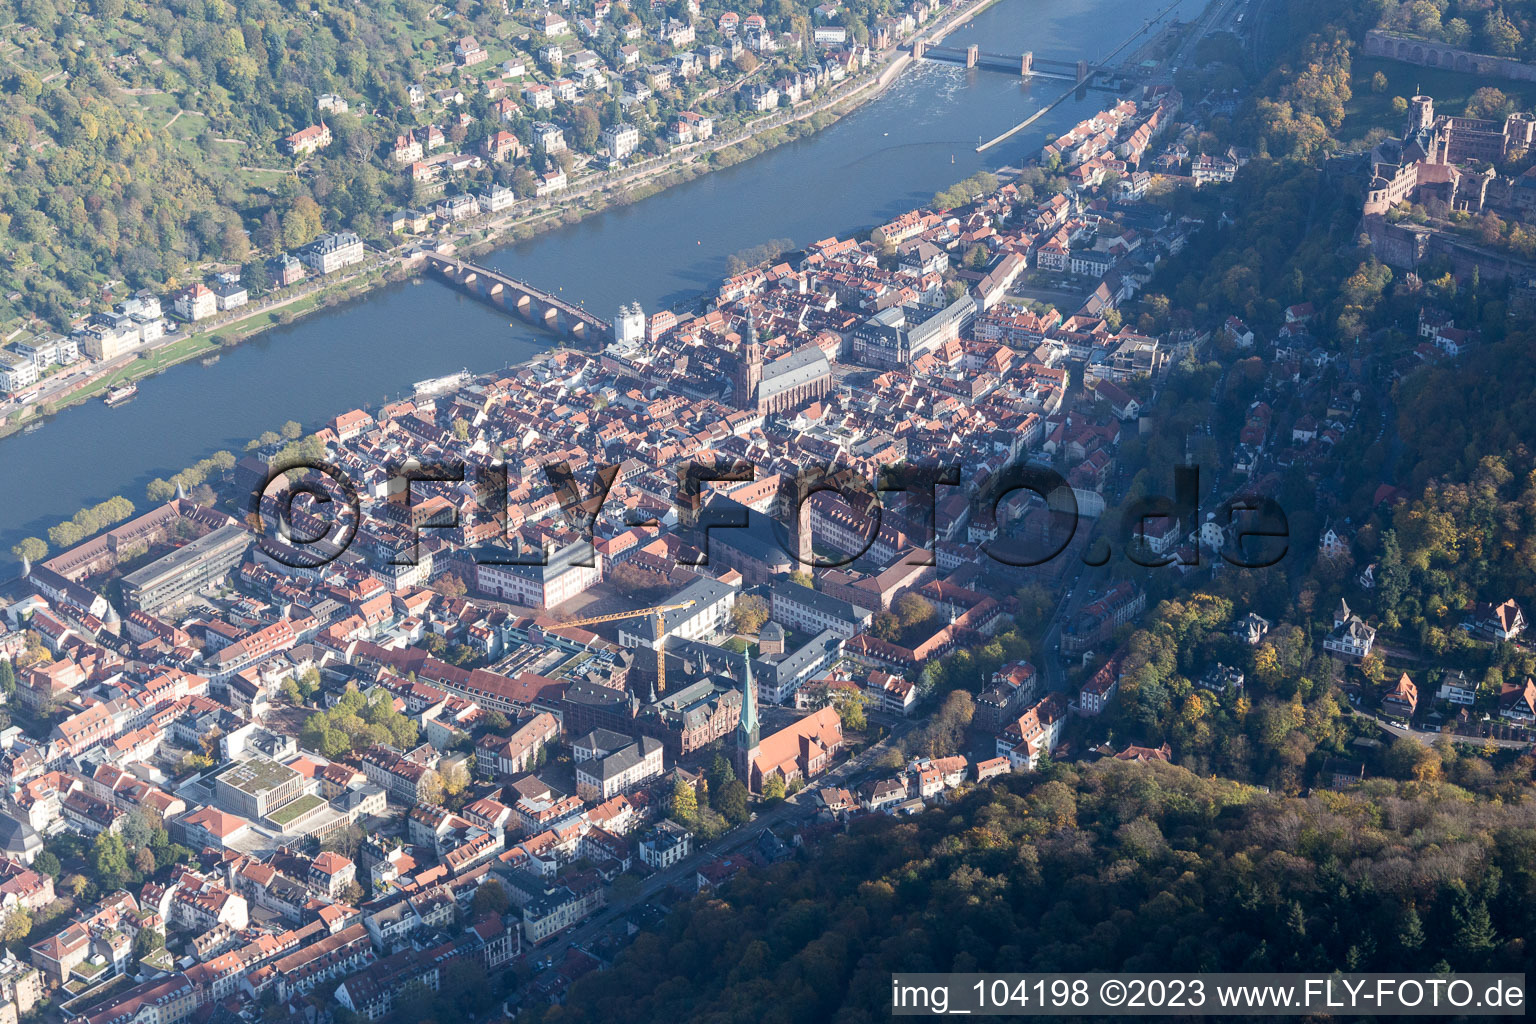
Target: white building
point(46, 350)
point(16, 372)
point(1351, 637)
point(610, 763)
point(1456, 688)
point(539, 96)
point(459, 207)
point(622, 139)
point(665, 844)
point(333, 252)
point(230, 295)
point(551, 182)
point(196, 302)
point(709, 602)
point(629, 325)
point(496, 199)
point(548, 138)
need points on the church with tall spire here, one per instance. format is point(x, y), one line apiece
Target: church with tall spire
point(747, 369)
point(747, 739)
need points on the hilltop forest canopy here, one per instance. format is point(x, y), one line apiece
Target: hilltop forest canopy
point(140, 139)
point(1122, 867)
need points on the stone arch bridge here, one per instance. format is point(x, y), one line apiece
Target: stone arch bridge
point(534, 305)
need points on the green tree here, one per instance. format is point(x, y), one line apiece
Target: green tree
point(626, 888)
point(1475, 936)
point(732, 802)
point(1410, 935)
point(912, 609)
point(850, 708)
point(256, 278)
point(48, 864)
point(1503, 37)
point(490, 898)
point(720, 772)
point(148, 941)
point(773, 787)
point(416, 1003)
point(32, 548)
point(109, 861)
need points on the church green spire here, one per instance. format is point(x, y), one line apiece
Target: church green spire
point(746, 729)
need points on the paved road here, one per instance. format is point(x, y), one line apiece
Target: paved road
point(1428, 738)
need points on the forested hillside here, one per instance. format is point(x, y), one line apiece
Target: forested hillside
point(139, 139)
point(1118, 866)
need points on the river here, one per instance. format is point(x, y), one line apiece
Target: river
point(890, 155)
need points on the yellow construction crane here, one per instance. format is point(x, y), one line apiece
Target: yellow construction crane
point(657, 610)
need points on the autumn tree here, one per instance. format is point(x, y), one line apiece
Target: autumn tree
point(17, 926)
point(31, 548)
point(431, 789)
point(912, 609)
point(455, 779)
point(750, 614)
point(684, 802)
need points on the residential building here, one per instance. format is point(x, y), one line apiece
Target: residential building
point(548, 138)
point(609, 763)
point(332, 252)
point(1402, 700)
point(621, 139)
point(195, 302)
point(664, 844)
point(1517, 702)
point(309, 140)
point(1456, 688)
point(1350, 637)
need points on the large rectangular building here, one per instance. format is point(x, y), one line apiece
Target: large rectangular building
point(810, 611)
point(256, 787)
point(709, 605)
point(499, 573)
point(333, 252)
point(609, 763)
point(170, 580)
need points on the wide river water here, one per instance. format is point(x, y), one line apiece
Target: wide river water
point(890, 155)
